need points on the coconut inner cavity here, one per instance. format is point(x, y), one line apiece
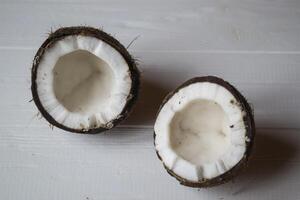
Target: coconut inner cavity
point(83, 83)
point(199, 132)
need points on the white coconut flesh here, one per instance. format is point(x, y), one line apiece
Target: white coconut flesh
point(200, 132)
point(83, 82)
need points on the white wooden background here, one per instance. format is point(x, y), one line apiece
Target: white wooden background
point(254, 44)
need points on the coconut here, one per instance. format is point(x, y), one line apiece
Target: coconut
point(204, 132)
point(84, 80)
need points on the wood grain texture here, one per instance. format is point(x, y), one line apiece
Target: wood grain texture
point(270, 82)
point(228, 25)
point(253, 44)
point(38, 163)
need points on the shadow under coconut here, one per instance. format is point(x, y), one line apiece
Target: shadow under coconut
point(144, 112)
point(272, 153)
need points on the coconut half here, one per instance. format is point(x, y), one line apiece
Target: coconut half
point(204, 132)
point(84, 80)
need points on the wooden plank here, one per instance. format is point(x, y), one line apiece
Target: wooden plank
point(205, 25)
point(38, 163)
point(270, 82)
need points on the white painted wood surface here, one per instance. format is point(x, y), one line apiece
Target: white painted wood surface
point(254, 44)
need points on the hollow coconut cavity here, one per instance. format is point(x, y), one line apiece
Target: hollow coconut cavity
point(84, 80)
point(204, 132)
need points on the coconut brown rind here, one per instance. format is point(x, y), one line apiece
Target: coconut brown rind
point(250, 133)
point(101, 35)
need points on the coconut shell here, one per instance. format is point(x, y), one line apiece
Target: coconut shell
point(250, 133)
point(101, 35)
